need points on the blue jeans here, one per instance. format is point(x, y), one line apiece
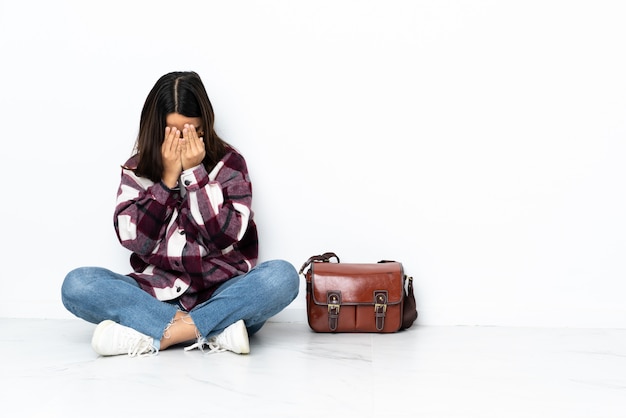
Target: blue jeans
point(95, 294)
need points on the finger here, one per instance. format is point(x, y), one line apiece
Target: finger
point(187, 131)
point(190, 136)
point(166, 139)
point(196, 141)
point(183, 146)
point(192, 131)
point(171, 134)
point(176, 141)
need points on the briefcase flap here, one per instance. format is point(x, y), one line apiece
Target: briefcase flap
point(357, 283)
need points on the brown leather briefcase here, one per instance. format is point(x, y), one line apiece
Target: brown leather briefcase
point(358, 297)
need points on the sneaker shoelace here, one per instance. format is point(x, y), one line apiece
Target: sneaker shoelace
point(139, 346)
point(198, 344)
point(214, 347)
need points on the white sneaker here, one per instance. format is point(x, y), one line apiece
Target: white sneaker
point(112, 339)
point(234, 338)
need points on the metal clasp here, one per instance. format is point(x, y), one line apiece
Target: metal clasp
point(333, 302)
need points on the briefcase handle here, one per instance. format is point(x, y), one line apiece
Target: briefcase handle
point(325, 258)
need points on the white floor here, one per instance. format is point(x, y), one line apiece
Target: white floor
point(49, 370)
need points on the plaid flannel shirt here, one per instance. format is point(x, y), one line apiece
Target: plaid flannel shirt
point(187, 241)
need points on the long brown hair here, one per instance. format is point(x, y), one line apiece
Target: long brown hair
point(175, 92)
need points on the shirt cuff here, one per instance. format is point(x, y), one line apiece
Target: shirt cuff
point(189, 178)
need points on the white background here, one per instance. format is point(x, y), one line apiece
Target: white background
point(481, 143)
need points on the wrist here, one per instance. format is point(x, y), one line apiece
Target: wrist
point(169, 183)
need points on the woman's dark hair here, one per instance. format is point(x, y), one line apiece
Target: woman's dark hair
point(175, 92)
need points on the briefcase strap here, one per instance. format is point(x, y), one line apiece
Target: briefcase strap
point(380, 308)
point(333, 299)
